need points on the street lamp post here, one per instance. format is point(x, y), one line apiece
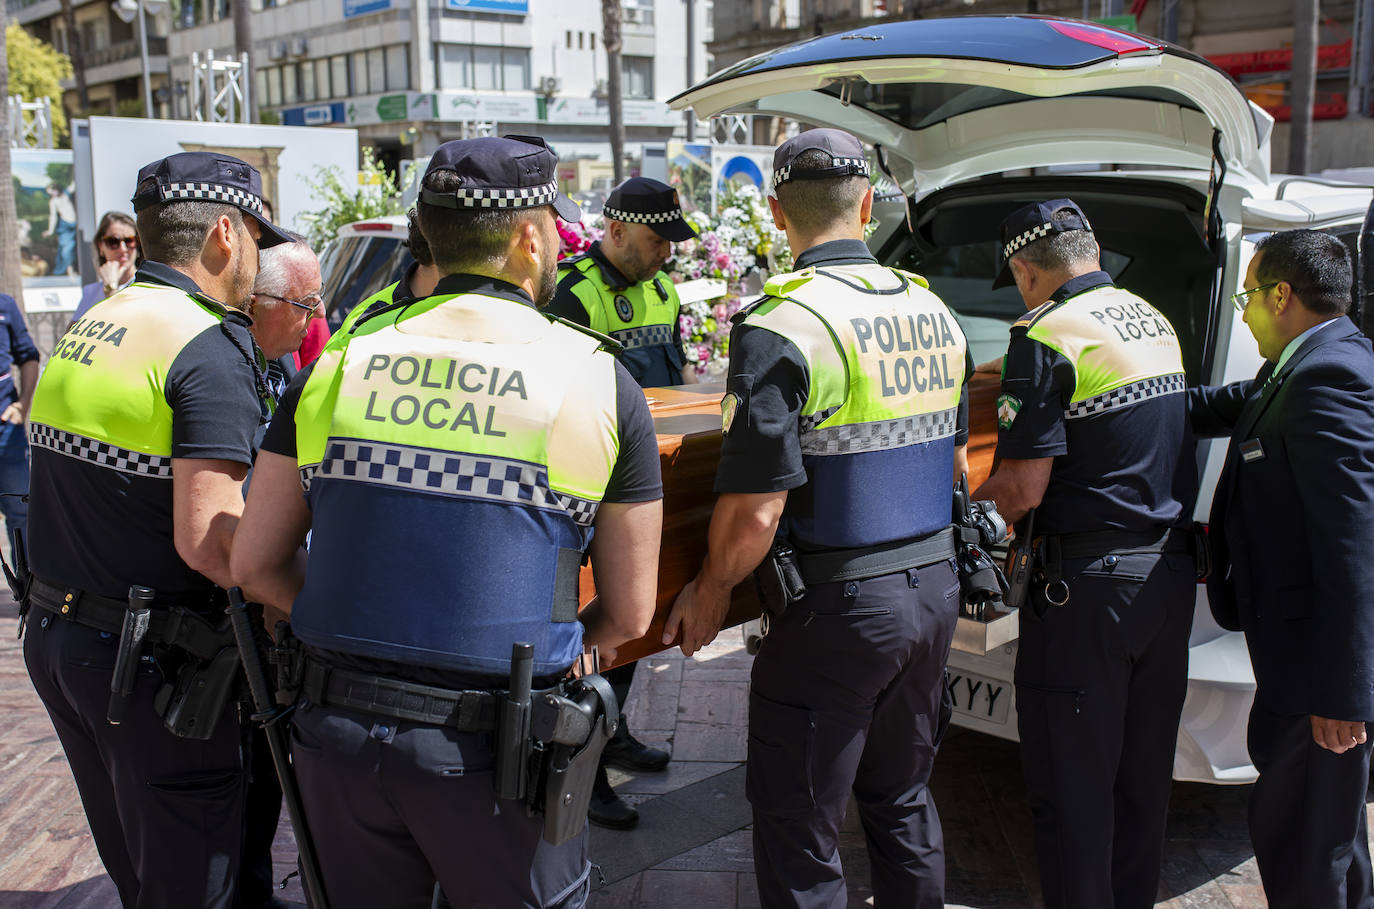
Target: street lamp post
point(126, 10)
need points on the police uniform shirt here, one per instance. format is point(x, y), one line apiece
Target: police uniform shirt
point(1128, 467)
point(636, 476)
point(567, 305)
point(16, 349)
point(100, 528)
point(762, 450)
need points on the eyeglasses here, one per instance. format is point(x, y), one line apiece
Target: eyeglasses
point(1242, 299)
point(309, 304)
point(117, 242)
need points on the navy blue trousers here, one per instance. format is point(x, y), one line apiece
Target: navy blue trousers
point(1100, 683)
point(847, 693)
point(166, 813)
point(394, 806)
point(1307, 816)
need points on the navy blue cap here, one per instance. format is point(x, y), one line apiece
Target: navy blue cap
point(506, 172)
point(207, 177)
point(641, 200)
point(846, 156)
point(1030, 223)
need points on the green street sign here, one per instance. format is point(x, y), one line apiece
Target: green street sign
point(1125, 22)
point(391, 107)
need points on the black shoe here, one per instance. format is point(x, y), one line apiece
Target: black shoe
point(628, 753)
point(606, 809)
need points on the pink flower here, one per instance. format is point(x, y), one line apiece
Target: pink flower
point(703, 353)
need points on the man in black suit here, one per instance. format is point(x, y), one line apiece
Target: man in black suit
point(1289, 532)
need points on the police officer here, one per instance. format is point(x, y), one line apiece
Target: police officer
point(844, 417)
point(141, 432)
point(417, 282)
point(1093, 434)
point(452, 486)
point(618, 287)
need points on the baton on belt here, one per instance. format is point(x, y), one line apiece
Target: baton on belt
point(268, 714)
point(130, 651)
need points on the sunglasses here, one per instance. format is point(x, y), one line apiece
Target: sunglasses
point(309, 304)
point(117, 242)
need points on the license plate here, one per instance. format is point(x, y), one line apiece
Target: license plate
point(980, 697)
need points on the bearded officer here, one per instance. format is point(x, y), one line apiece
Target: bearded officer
point(618, 287)
point(1093, 434)
point(459, 455)
point(142, 431)
point(844, 421)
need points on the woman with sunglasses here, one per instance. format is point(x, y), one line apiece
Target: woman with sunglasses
point(117, 255)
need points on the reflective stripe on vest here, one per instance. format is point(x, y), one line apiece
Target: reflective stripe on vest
point(886, 362)
point(479, 463)
point(102, 396)
point(1122, 349)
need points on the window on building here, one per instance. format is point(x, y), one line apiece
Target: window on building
point(338, 76)
point(290, 84)
point(591, 40)
point(637, 12)
point(398, 68)
point(581, 39)
point(376, 70)
point(307, 78)
point(569, 38)
point(357, 66)
point(274, 87)
point(260, 86)
point(322, 80)
point(483, 67)
point(638, 77)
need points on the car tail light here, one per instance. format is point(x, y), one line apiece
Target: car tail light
point(373, 225)
point(1107, 38)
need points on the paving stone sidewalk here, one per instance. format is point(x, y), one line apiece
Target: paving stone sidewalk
point(693, 845)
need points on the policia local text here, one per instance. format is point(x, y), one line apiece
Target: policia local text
point(440, 373)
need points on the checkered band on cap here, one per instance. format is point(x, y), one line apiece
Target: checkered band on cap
point(1025, 237)
point(100, 453)
point(448, 473)
point(783, 174)
point(640, 217)
point(880, 435)
point(523, 197)
point(644, 336)
point(1127, 395)
point(210, 192)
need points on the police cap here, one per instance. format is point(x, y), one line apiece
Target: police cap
point(207, 177)
point(1026, 225)
point(640, 200)
point(508, 172)
point(846, 156)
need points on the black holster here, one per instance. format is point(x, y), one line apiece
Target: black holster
point(569, 727)
point(779, 580)
point(203, 683)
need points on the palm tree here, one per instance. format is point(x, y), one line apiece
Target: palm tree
point(610, 24)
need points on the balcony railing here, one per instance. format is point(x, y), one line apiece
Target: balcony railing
point(125, 50)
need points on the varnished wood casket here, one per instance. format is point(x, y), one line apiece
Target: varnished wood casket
point(687, 420)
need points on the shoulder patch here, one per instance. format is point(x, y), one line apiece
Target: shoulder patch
point(784, 284)
point(1008, 406)
point(608, 344)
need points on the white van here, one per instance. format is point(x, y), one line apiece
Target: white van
point(977, 116)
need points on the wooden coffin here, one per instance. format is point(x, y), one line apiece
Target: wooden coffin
point(687, 420)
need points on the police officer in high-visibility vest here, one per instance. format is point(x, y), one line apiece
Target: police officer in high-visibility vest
point(618, 287)
point(417, 282)
point(142, 431)
point(459, 455)
point(844, 420)
point(1093, 435)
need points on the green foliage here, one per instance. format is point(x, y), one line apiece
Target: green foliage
point(36, 70)
point(375, 193)
point(269, 118)
point(60, 173)
point(129, 107)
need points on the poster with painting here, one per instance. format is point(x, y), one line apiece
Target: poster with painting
point(45, 206)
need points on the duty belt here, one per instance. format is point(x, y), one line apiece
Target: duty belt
point(173, 625)
point(875, 561)
point(1099, 543)
point(463, 710)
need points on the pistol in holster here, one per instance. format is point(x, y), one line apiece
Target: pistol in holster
point(549, 743)
point(202, 667)
point(779, 580)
